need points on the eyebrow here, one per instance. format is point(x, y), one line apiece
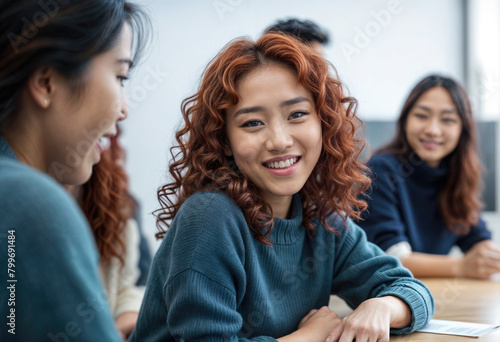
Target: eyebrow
point(427, 109)
point(287, 103)
point(126, 61)
point(293, 101)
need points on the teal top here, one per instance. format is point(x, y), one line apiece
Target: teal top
point(212, 281)
point(54, 293)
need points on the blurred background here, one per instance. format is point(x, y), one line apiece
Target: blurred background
point(380, 49)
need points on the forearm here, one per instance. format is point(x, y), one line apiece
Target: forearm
point(430, 265)
point(296, 336)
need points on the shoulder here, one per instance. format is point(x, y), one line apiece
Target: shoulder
point(345, 229)
point(206, 218)
point(386, 169)
point(207, 208)
point(383, 161)
point(25, 185)
point(32, 199)
point(209, 234)
point(214, 200)
point(348, 237)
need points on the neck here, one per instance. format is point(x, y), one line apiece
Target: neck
point(27, 143)
point(74, 190)
point(281, 206)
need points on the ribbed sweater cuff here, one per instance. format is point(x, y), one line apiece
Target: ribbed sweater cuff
point(420, 301)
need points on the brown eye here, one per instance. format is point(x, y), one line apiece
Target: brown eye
point(449, 120)
point(420, 116)
point(252, 123)
point(298, 114)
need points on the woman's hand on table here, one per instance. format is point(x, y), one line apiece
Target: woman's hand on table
point(315, 326)
point(481, 261)
point(372, 320)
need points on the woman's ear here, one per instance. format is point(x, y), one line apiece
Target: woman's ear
point(41, 86)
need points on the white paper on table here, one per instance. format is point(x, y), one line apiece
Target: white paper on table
point(438, 326)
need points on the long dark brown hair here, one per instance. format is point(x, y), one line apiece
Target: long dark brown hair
point(458, 200)
point(199, 162)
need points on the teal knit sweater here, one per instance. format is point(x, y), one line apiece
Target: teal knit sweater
point(55, 293)
point(212, 281)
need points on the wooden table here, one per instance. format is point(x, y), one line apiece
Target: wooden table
point(456, 299)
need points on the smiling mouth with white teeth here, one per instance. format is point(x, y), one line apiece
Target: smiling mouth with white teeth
point(103, 143)
point(282, 164)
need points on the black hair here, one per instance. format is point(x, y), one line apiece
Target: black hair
point(61, 34)
point(305, 30)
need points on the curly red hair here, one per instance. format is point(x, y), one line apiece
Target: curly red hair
point(107, 204)
point(199, 162)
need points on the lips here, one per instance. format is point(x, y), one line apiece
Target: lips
point(430, 145)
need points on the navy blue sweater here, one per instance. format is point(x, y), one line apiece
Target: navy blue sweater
point(403, 206)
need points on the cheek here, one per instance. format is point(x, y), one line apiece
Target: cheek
point(244, 151)
point(108, 97)
point(409, 128)
point(312, 137)
point(455, 137)
point(246, 155)
point(412, 133)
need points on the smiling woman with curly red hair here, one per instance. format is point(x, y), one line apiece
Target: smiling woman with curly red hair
point(265, 183)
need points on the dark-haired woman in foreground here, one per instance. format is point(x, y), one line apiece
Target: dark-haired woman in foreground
point(62, 67)
point(263, 186)
point(426, 185)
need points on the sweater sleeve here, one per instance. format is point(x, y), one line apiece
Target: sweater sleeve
point(58, 293)
point(129, 295)
point(201, 309)
point(199, 274)
point(377, 275)
point(382, 221)
point(477, 234)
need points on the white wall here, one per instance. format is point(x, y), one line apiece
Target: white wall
point(418, 38)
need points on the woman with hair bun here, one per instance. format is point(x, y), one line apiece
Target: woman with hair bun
point(265, 180)
point(426, 186)
point(62, 68)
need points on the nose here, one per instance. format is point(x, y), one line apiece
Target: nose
point(123, 107)
point(433, 128)
point(279, 137)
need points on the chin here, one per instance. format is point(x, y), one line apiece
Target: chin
point(78, 177)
